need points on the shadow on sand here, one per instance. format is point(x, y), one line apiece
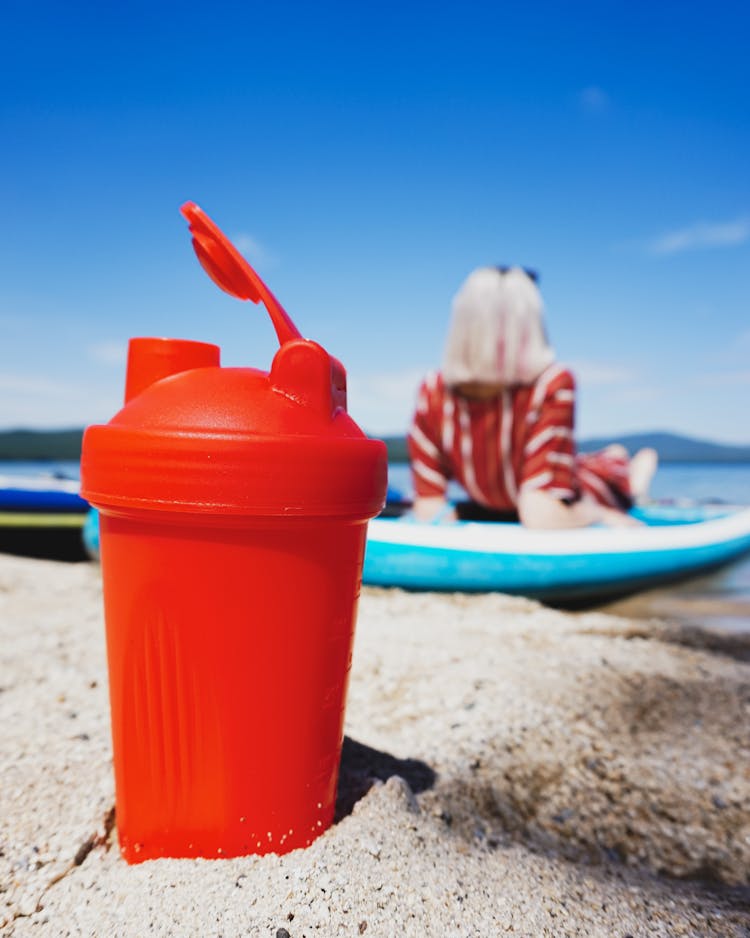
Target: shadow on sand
point(363, 766)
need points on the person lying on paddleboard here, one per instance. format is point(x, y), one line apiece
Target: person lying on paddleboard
point(498, 418)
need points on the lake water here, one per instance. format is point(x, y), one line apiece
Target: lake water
point(64, 468)
point(703, 482)
point(707, 482)
point(721, 599)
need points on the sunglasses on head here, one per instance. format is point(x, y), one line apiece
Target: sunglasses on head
point(531, 274)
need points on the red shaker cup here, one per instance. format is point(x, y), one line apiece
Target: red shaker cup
point(233, 511)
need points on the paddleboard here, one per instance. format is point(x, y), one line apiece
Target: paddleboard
point(42, 516)
point(568, 565)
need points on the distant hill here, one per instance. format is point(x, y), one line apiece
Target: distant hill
point(397, 451)
point(40, 444)
point(671, 447)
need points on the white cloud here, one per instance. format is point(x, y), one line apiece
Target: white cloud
point(39, 401)
point(594, 100)
point(109, 353)
point(725, 379)
point(254, 251)
point(600, 373)
point(637, 394)
point(32, 386)
point(383, 403)
point(702, 235)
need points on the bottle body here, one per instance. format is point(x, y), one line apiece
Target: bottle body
point(229, 642)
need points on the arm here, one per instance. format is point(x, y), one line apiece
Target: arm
point(549, 495)
point(429, 465)
point(428, 509)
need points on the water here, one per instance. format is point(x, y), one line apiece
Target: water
point(707, 482)
point(703, 482)
point(61, 469)
point(720, 599)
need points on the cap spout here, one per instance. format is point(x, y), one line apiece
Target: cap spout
point(150, 360)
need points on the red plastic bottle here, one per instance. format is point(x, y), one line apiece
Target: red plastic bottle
point(233, 511)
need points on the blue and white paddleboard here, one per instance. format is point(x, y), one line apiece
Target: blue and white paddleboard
point(42, 516)
point(673, 543)
point(46, 494)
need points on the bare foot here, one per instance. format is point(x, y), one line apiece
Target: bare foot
point(641, 472)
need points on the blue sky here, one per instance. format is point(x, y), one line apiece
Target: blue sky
point(366, 158)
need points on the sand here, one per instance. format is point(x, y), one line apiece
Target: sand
point(508, 769)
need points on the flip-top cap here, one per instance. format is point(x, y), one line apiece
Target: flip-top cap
point(196, 437)
point(237, 440)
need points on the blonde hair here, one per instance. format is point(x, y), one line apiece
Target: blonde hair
point(496, 335)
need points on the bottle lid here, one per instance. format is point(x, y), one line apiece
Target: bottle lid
point(196, 437)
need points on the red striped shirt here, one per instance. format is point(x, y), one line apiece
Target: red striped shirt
point(520, 439)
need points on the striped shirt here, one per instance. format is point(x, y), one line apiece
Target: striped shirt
point(520, 439)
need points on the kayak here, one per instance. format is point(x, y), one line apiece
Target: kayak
point(673, 542)
point(42, 516)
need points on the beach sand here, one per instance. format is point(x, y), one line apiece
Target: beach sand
point(508, 769)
